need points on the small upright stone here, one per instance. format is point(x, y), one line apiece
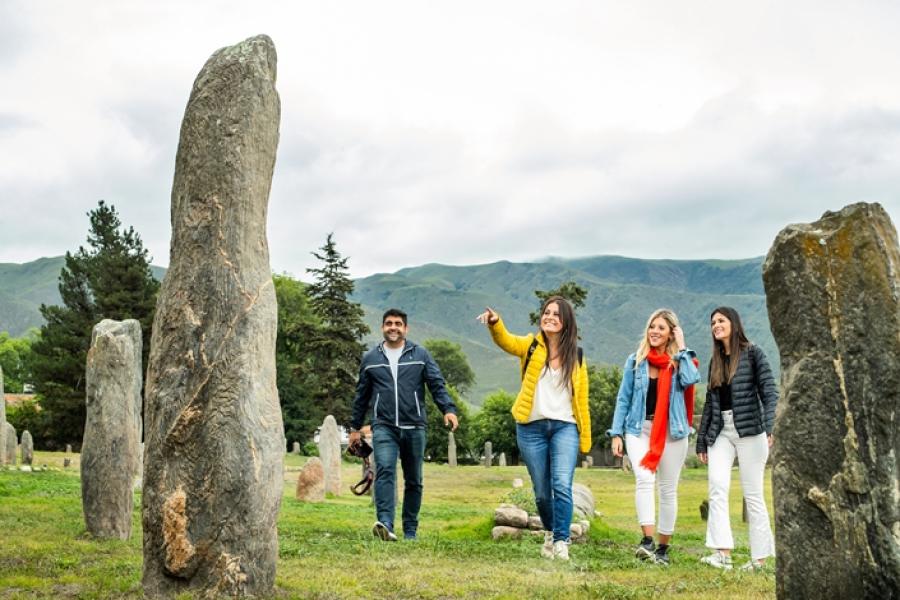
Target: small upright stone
point(214, 460)
point(27, 448)
point(833, 295)
point(296, 448)
point(488, 454)
point(311, 481)
point(112, 429)
point(68, 448)
point(451, 449)
point(2, 421)
point(330, 453)
point(583, 501)
point(501, 460)
point(12, 441)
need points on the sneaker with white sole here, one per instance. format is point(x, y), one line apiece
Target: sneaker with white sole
point(383, 532)
point(753, 565)
point(561, 550)
point(547, 548)
point(645, 549)
point(719, 560)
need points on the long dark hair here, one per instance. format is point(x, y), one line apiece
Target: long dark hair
point(568, 337)
point(723, 366)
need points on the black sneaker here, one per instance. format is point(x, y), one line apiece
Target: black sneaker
point(645, 549)
point(661, 556)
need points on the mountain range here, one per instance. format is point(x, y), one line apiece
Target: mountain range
point(442, 302)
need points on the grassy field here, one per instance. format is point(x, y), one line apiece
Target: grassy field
point(327, 550)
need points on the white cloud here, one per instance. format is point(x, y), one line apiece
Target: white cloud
point(466, 131)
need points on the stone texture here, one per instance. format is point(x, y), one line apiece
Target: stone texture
point(488, 454)
point(535, 523)
point(451, 449)
point(68, 448)
point(2, 421)
point(296, 448)
point(11, 444)
point(330, 454)
point(27, 448)
point(112, 428)
point(214, 458)
point(502, 531)
point(501, 460)
point(513, 516)
point(588, 462)
point(583, 501)
point(311, 481)
point(833, 298)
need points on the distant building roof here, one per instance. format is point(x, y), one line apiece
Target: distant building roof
point(16, 399)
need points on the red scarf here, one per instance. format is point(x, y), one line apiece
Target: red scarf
point(660, 429)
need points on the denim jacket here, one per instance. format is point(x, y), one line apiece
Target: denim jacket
point(631, 402)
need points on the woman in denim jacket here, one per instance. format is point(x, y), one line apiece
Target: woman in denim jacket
point(654, 410)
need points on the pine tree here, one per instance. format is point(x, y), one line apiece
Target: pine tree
point(336, 347)
point(111, 279)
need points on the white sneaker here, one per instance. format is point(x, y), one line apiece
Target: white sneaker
point(561, 550)
point(718, 559)
point(547, 548)
point(753, 565)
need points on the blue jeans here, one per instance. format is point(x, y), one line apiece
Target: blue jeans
point(550, 450)
point(409, 444)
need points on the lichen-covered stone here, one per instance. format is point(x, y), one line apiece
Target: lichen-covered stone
point(27, 448)
point(833, 298)
point(112, 429)
point(311, 481)
point(330, 454)
point(12, 441)
point(214, 452)
point(510, 515)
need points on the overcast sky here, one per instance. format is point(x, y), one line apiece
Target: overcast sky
point(465, 131)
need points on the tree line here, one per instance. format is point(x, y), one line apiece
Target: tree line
point(318, 348)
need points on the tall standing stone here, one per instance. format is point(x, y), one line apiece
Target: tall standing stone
point(451, 449)
point(833, 297)
point(2, 421)
point(488, 454)
point(27, 448)
point(330, 453)
point(214, 457)
point(296, 448)
point(112, 428)
point(12, 441)
point(501, 461)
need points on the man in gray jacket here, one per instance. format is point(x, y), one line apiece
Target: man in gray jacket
point(392, 378)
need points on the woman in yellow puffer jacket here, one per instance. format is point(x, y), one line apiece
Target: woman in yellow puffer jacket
point(551, 411)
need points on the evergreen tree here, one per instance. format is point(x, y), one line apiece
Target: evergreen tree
point(111, 279)
point(336, 347)
point(570, 290)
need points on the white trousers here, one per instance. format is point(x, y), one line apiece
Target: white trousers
point(667, 474)
point(752, 453)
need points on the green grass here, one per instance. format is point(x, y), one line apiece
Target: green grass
point(326, 550)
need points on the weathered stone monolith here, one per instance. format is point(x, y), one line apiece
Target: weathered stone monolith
point(296, 448)
point(214, 457)
point(112, 428)
point(330, 453)
point(27, 448)
point(311, 481)
point(501, 460)
point(451, 449)
point(488, 454)
point(2, 421)
point(833, 295)
point(12, 441)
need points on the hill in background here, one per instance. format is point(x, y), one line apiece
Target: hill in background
point(442, 302)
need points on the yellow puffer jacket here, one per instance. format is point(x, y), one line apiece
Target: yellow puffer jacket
point(521, 410)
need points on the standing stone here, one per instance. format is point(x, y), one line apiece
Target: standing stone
point(488, 454)
point(296, 449)
point(12, 441)
point(214, 459)
point(139, 476)
point(27, 448)
point(501, 461)
point(583, 501)
point(2, 421)
point(451, 449)
point(833, 296)
point(311, 481)
point(112, 428)
point(330, 453)
point(588, 462)
point(68, 448)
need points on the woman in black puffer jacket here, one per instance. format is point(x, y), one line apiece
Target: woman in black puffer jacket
point(737, 422)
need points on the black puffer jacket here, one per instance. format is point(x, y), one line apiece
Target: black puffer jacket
point(753, 398)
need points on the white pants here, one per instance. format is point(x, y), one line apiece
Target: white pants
point(752, 453)
point(667, 472)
